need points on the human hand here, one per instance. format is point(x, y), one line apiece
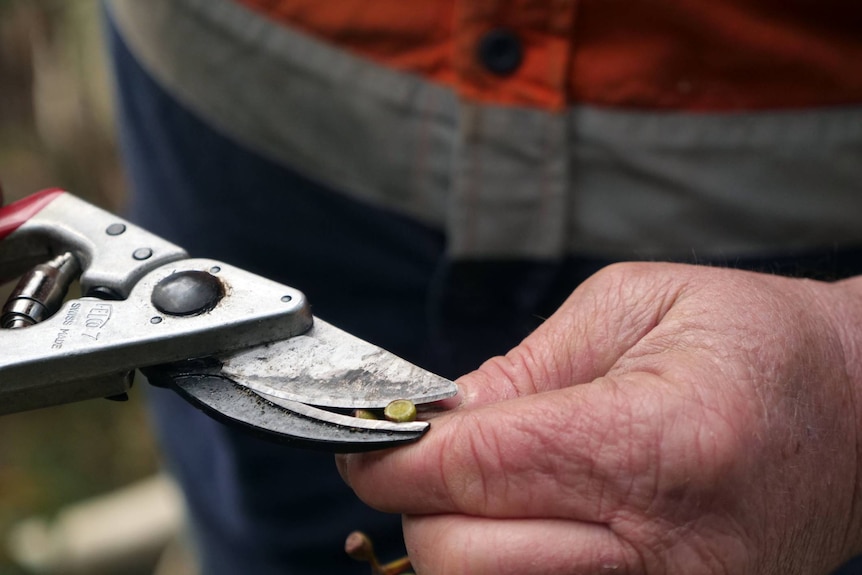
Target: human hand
point(666, 419)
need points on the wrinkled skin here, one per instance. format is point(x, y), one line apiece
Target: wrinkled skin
point(667, 419)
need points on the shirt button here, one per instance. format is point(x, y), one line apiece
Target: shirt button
point(500, 51)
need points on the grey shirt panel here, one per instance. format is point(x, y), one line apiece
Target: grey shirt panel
point(509, 182)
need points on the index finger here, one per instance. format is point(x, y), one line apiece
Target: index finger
point(552, 454)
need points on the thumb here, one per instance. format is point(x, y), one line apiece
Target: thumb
point(602, 319)
point(598, 324)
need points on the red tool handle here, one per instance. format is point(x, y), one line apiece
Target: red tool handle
point(15, 214)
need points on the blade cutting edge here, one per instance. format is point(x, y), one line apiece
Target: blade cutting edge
point(329, 367)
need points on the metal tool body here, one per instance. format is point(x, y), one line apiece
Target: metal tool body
point(243, 348)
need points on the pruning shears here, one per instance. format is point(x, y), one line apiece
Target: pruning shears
point(244, 349)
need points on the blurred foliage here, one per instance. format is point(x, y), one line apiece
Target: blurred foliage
point(56, 124)
point(52, 457)
point(56, 130)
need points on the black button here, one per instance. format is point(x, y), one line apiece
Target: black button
point(500, 51)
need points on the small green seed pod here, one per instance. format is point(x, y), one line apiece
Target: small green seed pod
point(400, 411)
point(365, 414)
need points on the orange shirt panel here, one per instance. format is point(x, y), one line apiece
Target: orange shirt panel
point(739, 54)
point(678, 54)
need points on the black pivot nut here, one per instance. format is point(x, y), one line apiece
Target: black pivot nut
point(187, 293)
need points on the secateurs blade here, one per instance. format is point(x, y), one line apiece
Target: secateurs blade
point(243, 348)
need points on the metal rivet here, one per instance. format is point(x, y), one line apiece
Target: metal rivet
point(142, 254)
point(115, 229)
point(286, 298)
point(215, 269)
point(155, 319)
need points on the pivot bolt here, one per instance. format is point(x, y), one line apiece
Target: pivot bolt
point(187, 293)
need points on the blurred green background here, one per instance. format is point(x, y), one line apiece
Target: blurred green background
point(56, 129)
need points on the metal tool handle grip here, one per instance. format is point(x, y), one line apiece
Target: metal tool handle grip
point(15, 214)
point(114, 254)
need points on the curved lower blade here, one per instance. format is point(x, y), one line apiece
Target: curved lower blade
point(305, 427)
